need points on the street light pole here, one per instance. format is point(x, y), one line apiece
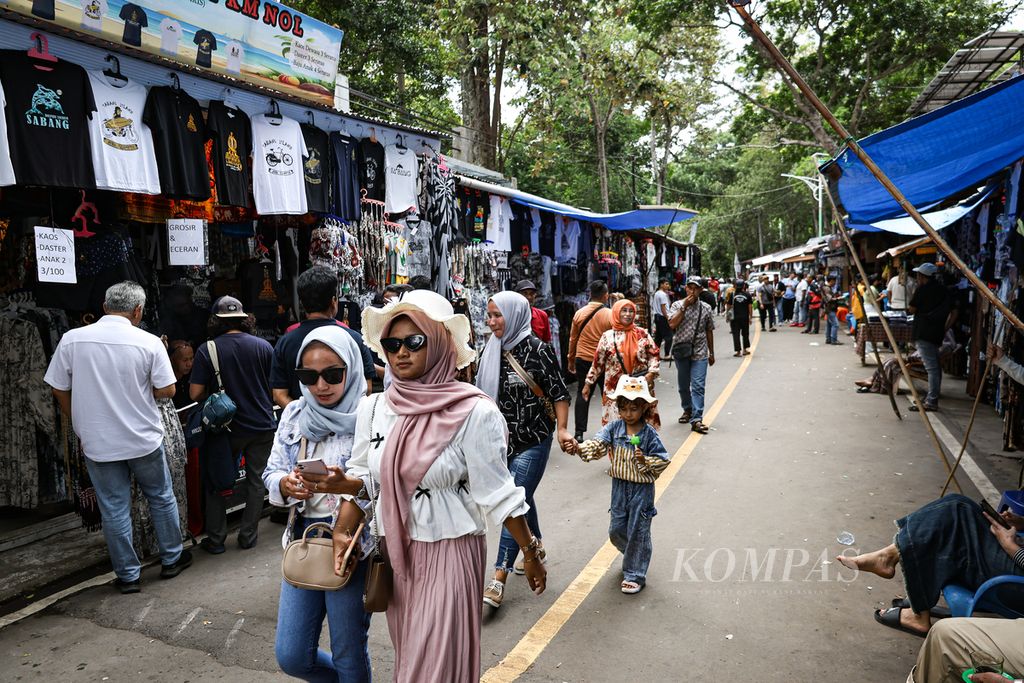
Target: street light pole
point(817, 189)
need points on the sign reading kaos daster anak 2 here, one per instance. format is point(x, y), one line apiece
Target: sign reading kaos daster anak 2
point(186, 242)
point(259, 41)
point(55, 255)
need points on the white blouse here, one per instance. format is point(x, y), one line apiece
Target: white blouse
point(467, 485)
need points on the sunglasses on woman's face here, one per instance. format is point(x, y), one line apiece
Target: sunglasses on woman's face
point(414, 342)
point(311, 377)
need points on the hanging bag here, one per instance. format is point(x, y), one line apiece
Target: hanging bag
point(686, 348)
point(549, 407)
point(637, 372)
point(218, 409)
point(379, 575)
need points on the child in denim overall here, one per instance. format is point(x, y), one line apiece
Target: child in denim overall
point(637, 459)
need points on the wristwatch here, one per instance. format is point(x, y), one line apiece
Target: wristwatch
point(361, 493)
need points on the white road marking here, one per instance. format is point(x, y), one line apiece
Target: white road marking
point(42, 604)
point(234, 633)
point(143, 613)
point(969, 465)
point(188, 620)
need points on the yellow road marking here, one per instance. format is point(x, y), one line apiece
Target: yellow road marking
point(533, 643)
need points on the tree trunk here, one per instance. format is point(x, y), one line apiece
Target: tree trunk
point(600, 138)
point(655, 166)
point(475, 80)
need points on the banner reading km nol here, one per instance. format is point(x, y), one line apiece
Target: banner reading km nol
point(259, 41)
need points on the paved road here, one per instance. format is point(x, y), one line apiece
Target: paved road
point(741, 587)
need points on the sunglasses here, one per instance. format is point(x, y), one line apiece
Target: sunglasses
point(414, 342)
point(311, 377)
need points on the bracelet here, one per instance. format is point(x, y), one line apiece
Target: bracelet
point(534, 546)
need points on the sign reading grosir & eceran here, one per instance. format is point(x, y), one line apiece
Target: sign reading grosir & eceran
point(259, 41)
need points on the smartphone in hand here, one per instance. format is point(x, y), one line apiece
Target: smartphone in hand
point(312, 466)
point(991, 511)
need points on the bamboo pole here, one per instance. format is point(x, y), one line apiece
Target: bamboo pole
point(869, 163)
point(892, 341)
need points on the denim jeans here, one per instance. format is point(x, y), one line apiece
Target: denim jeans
point(527, 468)
point(300, 618)
point(630, 527)
point(801, 312)
point(930, 357)
point(114, 496)
point(691, 375)
point(832, 327)
point(779, 311)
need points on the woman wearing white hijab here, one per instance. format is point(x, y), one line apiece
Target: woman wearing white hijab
point(515, 367)
point(331, 382)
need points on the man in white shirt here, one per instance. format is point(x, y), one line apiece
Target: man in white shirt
point(898, 293)
point(107, 377)
point(801, 296)
point(662, 331)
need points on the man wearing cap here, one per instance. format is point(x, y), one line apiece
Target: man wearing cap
point(693, 349)
point(930, 308)
point(539, 322)
point(244, 362)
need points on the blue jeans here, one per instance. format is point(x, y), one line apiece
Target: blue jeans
point(930, 357)
point(527, 470)
point(778, 310)
point(832, 327)
point(691, 375)
point(300, 618)
point(630, 528)
point(114, 496)
point(801, 312)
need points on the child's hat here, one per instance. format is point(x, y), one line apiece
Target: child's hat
point(632, 388)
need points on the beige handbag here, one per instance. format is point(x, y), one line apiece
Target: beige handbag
point(309, 562)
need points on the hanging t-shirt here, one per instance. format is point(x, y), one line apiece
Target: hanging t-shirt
point(316, 168)
point(92, 14)
point(278, 150)
point(43, 8)
point(370, 157)
point(179, 136)
point(568, 246)
point(47, 121)
point(170, 35)
point(134, 21)
point(206, 44)
point(235, 54)
point(122, 146)
point(535, 230)
point(344, 178)
point(231, 132)
point(6, 167)
point(499, 229)
point(401, 168)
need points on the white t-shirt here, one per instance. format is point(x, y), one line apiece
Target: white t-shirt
point(898, 298)
point(499, 224)
point(277, 150)
point(569, 241)
point(535, 230)
point(401, 169)
point(661, 299)
point(6, 167)
point(801, 289)
point(170, 35)
point(111, 368)
point(92, 14)
point(235, 54)
point(123, 156)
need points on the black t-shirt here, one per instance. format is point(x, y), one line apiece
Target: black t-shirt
point(245, 371)
point(47, 121)
point(931, 307)
point(741, 307)
point(134, 21)
point(231, 133)
point(286, 355)
point(370, 157)
point(43, 8)
point(179, 135)
point(206, 43)
point(316, 169)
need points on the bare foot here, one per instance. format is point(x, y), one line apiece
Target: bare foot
point(880, 563)
point(918, 622)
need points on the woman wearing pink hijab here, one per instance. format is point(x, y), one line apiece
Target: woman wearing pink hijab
point(436, 450)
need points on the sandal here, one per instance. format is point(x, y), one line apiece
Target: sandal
point(863, 390)
point(699, 427)
point(937, 612)
point(891, 618)
point(631, 587)
point(684, 418)
point(927, 408)
point(736, 355)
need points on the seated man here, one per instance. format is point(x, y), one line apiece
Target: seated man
point(949, 644)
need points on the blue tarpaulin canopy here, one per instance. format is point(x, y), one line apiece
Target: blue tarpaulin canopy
point(937, 219)
point(933, 157)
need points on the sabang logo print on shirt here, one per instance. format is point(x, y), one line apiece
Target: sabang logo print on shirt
point(46, 109)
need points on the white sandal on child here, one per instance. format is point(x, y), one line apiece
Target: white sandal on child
point(631, 587)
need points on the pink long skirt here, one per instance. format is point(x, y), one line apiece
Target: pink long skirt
point(434, 615)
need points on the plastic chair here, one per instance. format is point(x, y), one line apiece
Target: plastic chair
point(962, 602)
point(1014, 500)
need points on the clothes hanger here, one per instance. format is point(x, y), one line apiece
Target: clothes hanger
point(175, 82)
point(115, 73)
point(400, 141)
point(83, 228)
point(226, 98)
point(310, 118)
point(275, 111)
point(41, 51)
point(373, 134)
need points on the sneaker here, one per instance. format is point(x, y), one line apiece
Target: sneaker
point(578, 436)
point(246, 545)
point(520, 566)
point(773, 330)
point(493, 593)
point(209, 546)
point(127, 587)
point(169, 571)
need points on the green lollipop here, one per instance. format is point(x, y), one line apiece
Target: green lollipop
point(635, 440)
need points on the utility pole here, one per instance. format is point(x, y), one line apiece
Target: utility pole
point(760, 238)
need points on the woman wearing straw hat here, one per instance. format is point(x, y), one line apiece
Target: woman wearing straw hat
point(321, 424)
point(436, 448)
point(521, 373)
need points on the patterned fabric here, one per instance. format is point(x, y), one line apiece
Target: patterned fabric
point(613, 441)
point(144, 535)
point(685, 331)
point(528, 421)
point(606, 361)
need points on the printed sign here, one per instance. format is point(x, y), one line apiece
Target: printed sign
point(55, 255)
point(259, 41)
point(186, 242)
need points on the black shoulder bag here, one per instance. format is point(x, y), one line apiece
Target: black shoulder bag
point(686, 347)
